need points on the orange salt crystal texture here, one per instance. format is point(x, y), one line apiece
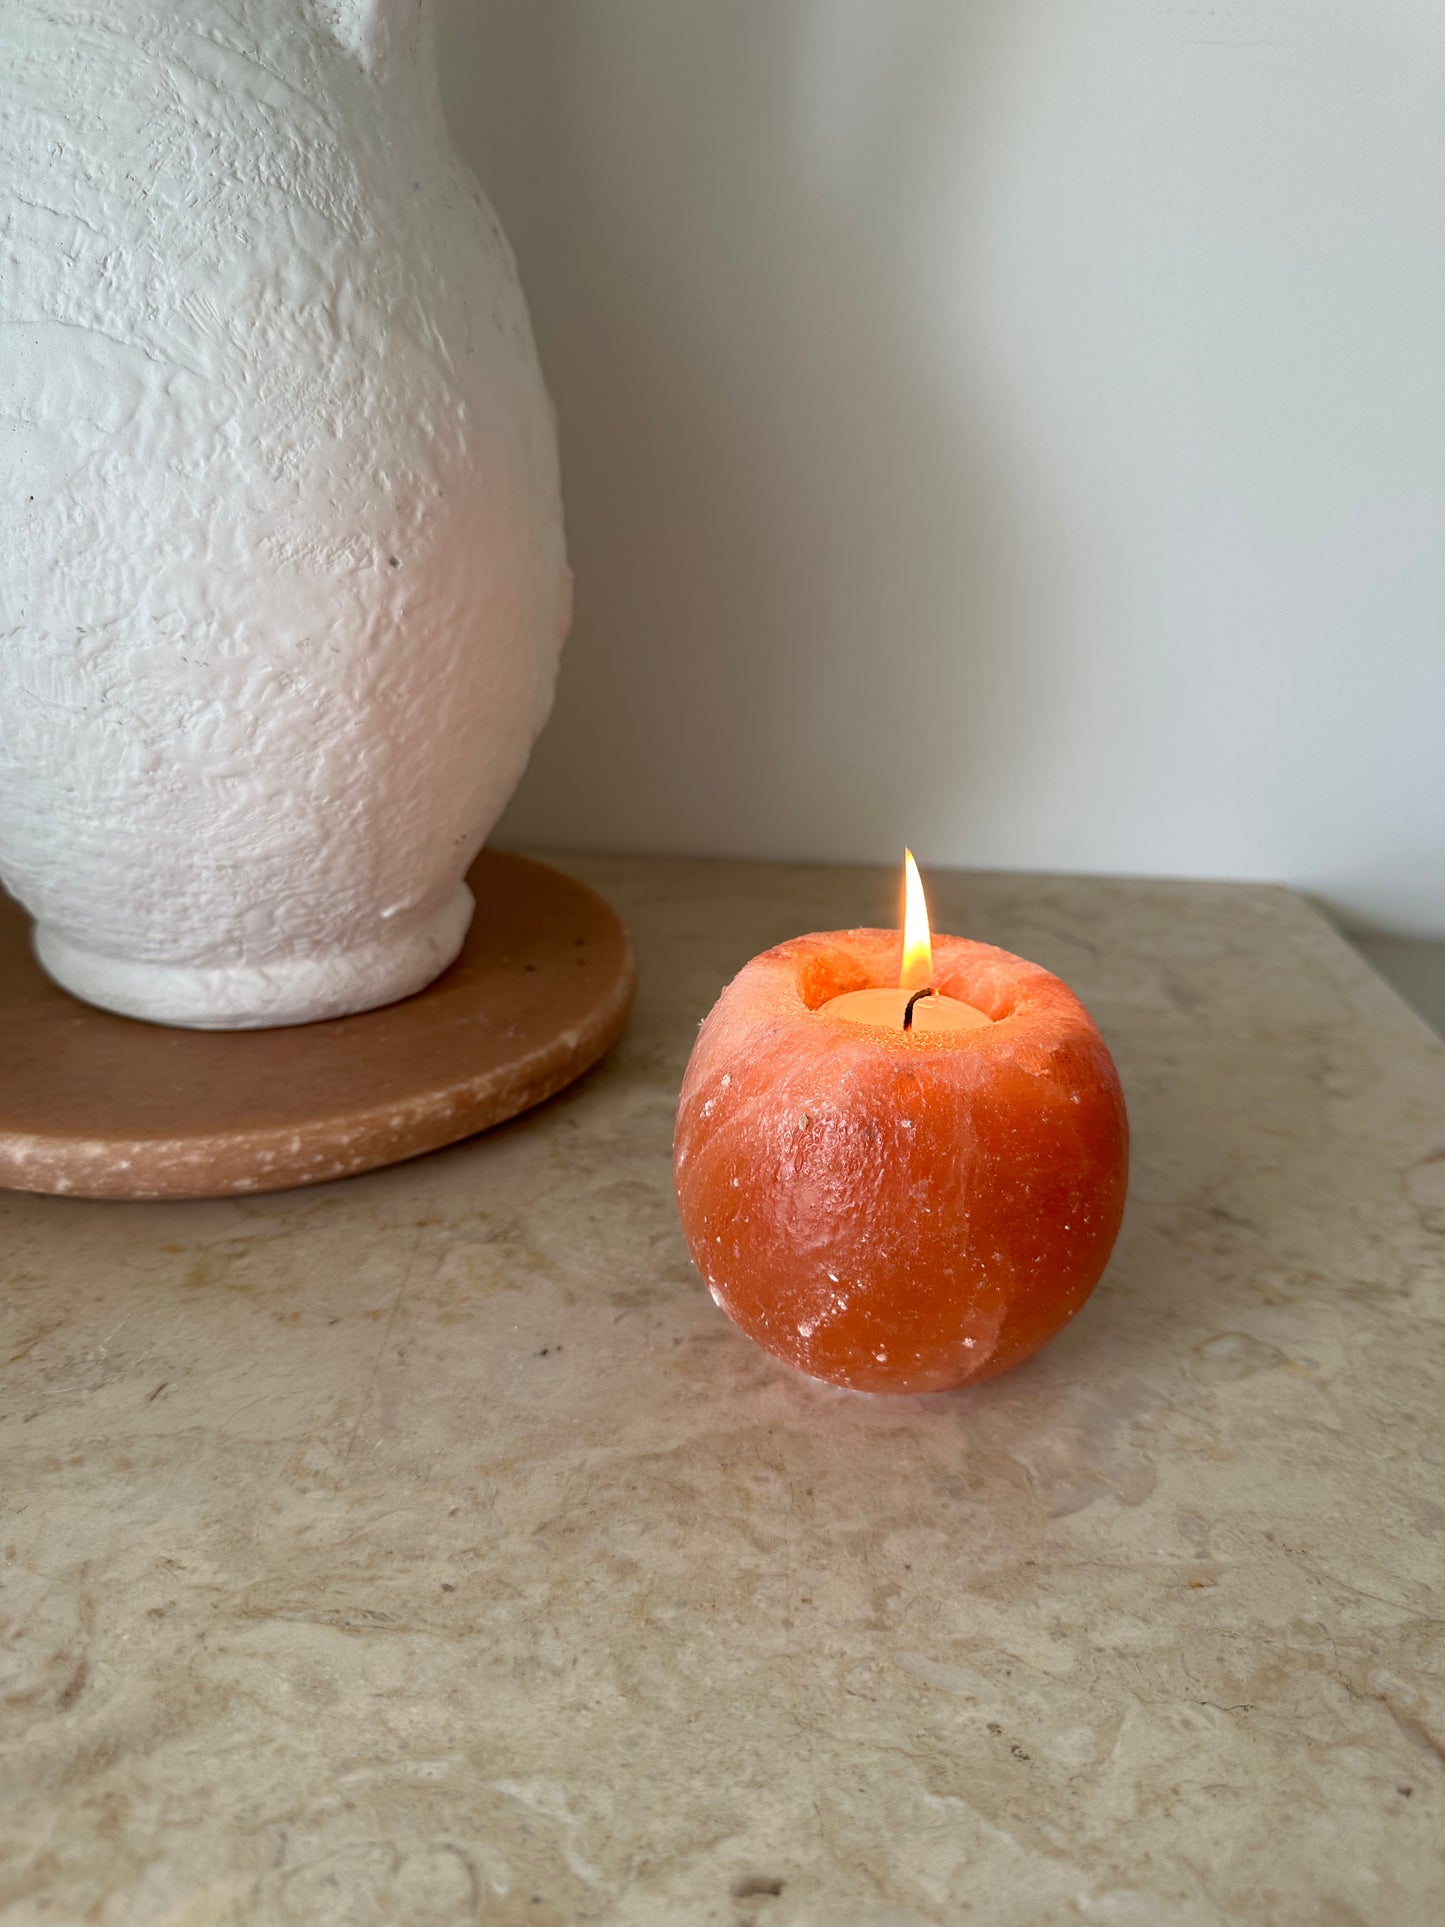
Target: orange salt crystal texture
point(890, 1210)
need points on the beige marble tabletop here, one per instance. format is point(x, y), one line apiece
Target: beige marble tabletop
point(427, 1549)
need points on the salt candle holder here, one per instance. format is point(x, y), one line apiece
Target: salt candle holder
point(900, 1173)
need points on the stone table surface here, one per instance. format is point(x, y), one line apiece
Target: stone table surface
point(427, 1549)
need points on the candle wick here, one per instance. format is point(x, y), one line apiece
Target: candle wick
point(908, 1007)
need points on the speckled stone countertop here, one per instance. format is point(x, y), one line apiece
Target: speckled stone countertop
point(427, 1549)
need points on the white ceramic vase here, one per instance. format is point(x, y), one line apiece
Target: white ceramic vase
point(282, 574)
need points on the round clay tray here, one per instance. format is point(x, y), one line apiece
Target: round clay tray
point(99, 1106)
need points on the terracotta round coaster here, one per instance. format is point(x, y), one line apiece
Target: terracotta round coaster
point(99, 1106)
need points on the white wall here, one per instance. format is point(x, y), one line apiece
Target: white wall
point(1012, 426)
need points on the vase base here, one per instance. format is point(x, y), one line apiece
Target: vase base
point(94, 1107)
point(265, 996)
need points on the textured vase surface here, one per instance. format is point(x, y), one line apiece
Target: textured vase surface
point(282, 573)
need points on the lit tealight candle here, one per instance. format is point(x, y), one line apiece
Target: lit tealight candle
point(899, 1189)
point(916, 1004)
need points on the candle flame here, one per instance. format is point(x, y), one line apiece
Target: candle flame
point(917, 972)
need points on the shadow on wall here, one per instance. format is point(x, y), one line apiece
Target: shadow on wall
point(801, 608)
